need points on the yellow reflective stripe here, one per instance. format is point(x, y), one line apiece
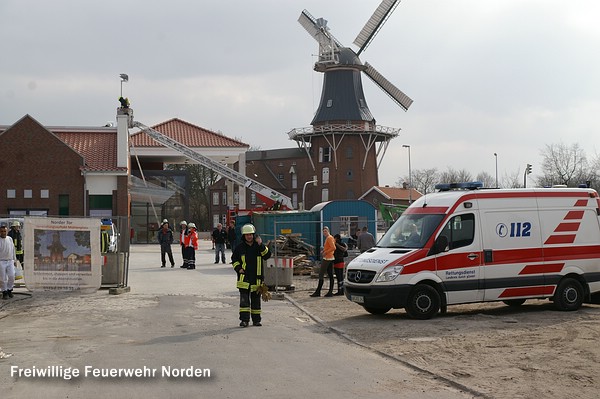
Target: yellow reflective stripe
point(243, 285)
point(258, 266)
point(266, 251)
point(244, 310)
point(255, 311)
point(235, 264)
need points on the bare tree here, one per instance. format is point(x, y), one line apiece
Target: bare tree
point(201, 178)
point(563, 164)
point(455, 176)
point(488, 180)
point(513, 180)
point(423, 180)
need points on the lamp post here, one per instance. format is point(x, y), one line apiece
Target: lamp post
point(409, 175)
point(496, 156)
point(124, 78)
point(304, 190)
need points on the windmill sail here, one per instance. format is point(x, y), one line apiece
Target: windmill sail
point(317, 28)
point(374, 24)
point(395, 93)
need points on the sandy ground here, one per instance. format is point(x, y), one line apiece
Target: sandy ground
point(495, 351)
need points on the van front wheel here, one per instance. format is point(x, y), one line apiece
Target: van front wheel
point(568, 295)
point(423, 302)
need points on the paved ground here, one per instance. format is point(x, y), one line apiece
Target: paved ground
point(186, 320)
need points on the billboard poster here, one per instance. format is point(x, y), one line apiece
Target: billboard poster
point(66, 254)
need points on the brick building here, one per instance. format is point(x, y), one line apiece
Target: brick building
point(61, 171)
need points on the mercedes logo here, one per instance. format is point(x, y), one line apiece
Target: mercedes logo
point(357, 276)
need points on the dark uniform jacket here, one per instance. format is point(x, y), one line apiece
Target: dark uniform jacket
point(250, 258)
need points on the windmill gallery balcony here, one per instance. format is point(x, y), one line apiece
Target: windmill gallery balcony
point(384, 133)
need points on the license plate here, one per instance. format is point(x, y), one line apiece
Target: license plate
point(357, 298)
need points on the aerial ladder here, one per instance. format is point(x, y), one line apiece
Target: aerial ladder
point(266, 194)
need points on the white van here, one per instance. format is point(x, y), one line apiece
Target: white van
point(463, 246)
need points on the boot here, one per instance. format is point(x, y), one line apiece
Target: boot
point(330, 292)
point(4, 294)
point(10, 294)
point(340, 290)
point(317, 293)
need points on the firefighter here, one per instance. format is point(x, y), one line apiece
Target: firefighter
point(183, 231)
point(17, 238)
point(247, 261)
point(191, 246)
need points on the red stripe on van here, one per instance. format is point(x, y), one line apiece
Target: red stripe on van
point(527, 291)
point(581, 202)
point(574, 215)
point(427, 210)
point(572, 226)
point(561, 239)
point(538, 269)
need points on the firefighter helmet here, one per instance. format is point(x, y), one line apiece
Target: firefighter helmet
point(165, 221)
point(248, 229)
point(183, 222)
point(192, 225)
point(16, 224)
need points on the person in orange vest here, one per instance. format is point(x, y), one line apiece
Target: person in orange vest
point(326, 263)
point(191, 246)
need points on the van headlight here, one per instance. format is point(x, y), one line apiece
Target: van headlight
point(389, 274)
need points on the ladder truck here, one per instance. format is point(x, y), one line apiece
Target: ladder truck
point(269, 196)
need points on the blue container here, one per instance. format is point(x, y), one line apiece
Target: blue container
point(302, 224)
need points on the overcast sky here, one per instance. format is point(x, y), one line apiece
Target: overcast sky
point(486, 76)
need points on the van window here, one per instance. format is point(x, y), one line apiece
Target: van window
point(410, 231)
point(460, 231)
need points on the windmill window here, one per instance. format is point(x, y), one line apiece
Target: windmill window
point(329, 103)
point(325, 195)
point(324, 154)
point(325, 175)
point(362, 103)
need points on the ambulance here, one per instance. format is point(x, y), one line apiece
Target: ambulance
point(465, 245)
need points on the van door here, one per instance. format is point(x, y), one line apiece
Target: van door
point(459, 266)
point(513, 255)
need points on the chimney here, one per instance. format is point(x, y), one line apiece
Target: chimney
point(124, 122)
point(405, 185)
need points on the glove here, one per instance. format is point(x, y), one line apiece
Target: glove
point(263, 290)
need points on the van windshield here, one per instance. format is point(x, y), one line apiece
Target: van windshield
point(410, 231)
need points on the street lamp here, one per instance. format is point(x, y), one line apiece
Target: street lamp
point(124, 78)
point(496, 155)
point(409, 175)
point(304, 190)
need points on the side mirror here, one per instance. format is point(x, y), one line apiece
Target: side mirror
point(440, 245)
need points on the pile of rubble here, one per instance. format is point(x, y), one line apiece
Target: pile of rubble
point(293, 246)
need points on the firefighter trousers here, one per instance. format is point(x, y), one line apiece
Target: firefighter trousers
point(249, 305)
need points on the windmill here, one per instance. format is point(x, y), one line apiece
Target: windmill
point(343, 117)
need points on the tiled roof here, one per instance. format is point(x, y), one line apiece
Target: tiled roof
point(398, 193)
point(98, 147)
point(187, 134)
